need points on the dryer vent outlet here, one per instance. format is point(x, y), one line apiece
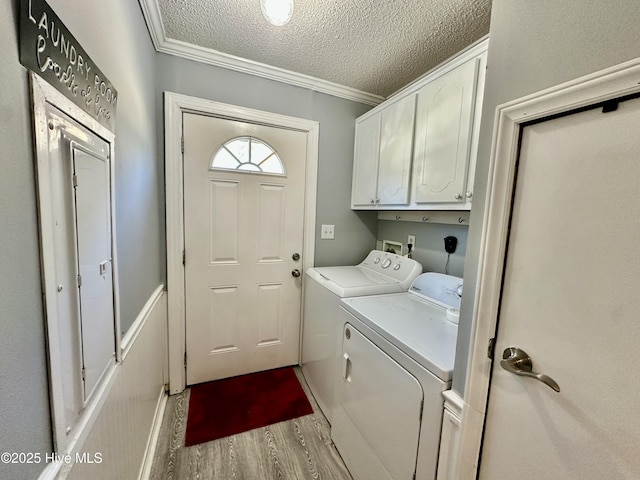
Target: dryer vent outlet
point(450, 244)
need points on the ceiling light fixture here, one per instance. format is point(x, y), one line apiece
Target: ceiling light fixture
point(278, 12)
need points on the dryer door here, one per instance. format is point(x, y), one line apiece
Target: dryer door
point(377, 419)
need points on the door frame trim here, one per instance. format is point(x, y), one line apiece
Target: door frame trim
point(607, 84)
point(175, 105)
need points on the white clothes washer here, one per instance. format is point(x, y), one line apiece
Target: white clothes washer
point(379, 273)
point(398, 355)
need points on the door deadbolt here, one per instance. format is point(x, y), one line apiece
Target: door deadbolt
point(296, 257)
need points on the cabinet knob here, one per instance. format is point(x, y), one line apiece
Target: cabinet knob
point(458, 196)
point(469, 193)
point(373, 201)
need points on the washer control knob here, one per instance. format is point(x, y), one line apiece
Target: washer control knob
point(397, 267)
point(386, 263)
point(377, 260)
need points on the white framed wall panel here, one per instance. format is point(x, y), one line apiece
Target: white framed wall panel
point(450, 436)
point(122, 436)
point(67, 436)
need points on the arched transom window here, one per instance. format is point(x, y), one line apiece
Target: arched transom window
point(248, 154)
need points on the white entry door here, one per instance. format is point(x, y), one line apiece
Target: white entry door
point(243, 224)
point(570, 300)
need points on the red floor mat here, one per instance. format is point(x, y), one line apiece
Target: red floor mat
point(234, 405)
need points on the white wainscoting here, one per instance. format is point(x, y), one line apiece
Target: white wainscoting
point(122, 438)
point(448, 459)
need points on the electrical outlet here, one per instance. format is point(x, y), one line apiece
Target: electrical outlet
point(327, 232)
point(411, 240)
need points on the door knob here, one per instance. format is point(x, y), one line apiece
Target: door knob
point(295, 272)
point(517, 361)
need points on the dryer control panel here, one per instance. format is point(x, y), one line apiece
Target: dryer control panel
point(402, 269)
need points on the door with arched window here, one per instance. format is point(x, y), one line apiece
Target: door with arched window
point(243, 226)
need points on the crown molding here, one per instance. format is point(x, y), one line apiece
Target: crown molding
point(153, 18)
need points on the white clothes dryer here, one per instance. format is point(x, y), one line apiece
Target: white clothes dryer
point(379, 273)
point(397, 358)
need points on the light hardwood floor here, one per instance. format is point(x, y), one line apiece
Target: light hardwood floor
point(293, 450)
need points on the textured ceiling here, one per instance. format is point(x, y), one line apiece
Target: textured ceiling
point(375, 46)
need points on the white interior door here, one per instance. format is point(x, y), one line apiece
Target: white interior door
point(92, 189)
point(242, 229)
point(570, 301)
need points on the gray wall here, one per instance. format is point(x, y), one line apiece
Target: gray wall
point(429, 248)
point(532, 46)
point(115, 36)
point(355, 233)
point(24, 407)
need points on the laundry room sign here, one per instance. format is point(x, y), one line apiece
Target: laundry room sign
point(49, 49)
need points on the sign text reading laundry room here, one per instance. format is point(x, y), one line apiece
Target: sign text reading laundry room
point(48, 48)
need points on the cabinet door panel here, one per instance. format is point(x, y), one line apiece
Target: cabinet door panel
point(365, 166)
point(396, 148)
point(443, 135)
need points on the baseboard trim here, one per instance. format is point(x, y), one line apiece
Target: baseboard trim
point(152, 443)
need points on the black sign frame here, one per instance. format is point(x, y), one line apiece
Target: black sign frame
point(52, 52)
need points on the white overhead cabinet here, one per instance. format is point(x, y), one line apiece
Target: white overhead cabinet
point(383, 150)
point(417, 150)
point(443, 136)
point(364, 188)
